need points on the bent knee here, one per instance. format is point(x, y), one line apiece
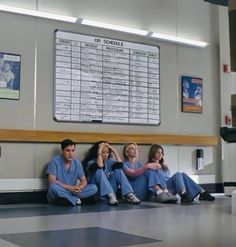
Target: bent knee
point(93, 187)
point(178, 173)
point(54, 187)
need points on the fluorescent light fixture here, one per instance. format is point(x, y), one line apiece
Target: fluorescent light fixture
point(166, 37)
point(36, 13)
point(114, 27)
point(178, 40)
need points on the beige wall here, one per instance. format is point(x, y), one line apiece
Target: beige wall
point(32, 38)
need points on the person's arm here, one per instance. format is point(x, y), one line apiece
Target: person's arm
point(134, 172)
point(154, 166)
point(52, 179)
point(82, 184)
point(117, 156)
point(100, 162)
point(81, 179)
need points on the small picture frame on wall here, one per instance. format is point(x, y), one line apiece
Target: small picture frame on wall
point(9, 76)
point(192, 94)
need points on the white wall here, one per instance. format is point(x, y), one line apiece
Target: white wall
point(32, 38)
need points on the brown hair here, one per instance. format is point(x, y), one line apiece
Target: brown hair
point(154, 148)
point(126, 148)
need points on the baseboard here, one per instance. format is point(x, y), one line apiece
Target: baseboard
point(213, 187)
point(23, 197)
point(229, 187)
point(229, 184)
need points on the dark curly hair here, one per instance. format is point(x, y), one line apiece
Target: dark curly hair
point(92, 154)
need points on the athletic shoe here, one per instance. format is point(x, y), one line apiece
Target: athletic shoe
point(78, 202)
point(173, 199)
point(163, 198)
point(206, 196)
point(132, 198)
point(185, 198)
point(112, 199)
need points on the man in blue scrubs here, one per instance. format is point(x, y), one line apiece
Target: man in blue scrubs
point(67, 182)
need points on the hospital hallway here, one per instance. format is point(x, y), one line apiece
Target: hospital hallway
point(150, 224)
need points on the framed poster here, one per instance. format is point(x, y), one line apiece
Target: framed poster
point(103, 80)
point(192, 94)
point(9, 76)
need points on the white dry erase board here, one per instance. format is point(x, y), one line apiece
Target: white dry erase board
point(104, 80)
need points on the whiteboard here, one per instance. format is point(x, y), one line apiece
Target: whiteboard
point(105, 80)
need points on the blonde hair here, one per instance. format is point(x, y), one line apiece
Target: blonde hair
point(126, 147)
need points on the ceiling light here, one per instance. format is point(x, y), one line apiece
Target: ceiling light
point(37, 13)
point(178, 40)
point(160, 36)
point(114, 27)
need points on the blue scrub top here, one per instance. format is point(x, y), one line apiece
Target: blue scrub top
point(165, 173)
point(107, 166)
point(137, 165)
point(57, 168)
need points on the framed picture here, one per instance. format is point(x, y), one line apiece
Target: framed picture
point(9, 76)
point(192, 94)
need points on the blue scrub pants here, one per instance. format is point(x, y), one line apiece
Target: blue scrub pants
point(100, 179)
point(180, 182)
point(118, 178)
point(55, 191)
point(145, 183)
point(154, 178)
point(139, 185)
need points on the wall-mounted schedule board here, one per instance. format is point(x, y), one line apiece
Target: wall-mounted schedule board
point(105, 80)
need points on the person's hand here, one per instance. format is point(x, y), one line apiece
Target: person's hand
point(70, 188)
point(77, 188)
point(153, 166)
point(101, 146)
point(110, 147)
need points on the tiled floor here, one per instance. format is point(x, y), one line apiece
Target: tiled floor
point(209, 224)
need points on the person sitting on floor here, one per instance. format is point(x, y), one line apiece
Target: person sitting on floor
point(144, 178)
point(107, 173)
point(67, 182)
point(180, 183)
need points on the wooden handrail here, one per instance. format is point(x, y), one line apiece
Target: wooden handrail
point(46, 136)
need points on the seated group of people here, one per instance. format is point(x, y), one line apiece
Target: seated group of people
point(103, 172)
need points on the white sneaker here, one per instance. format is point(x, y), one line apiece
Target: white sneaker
point(112, 199)
point(132, 198)
point(78, 202)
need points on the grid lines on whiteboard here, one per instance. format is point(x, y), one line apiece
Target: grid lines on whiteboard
point(105, 80)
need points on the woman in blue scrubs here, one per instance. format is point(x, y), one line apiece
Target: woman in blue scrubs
point(107, 173)
point(180, 183)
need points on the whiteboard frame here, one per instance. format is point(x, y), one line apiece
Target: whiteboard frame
point(136, 44)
